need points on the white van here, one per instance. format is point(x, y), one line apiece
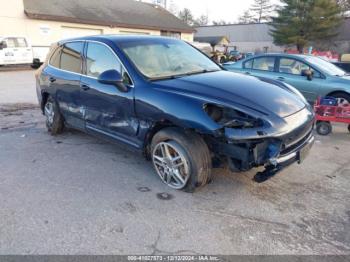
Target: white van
point(18, 50)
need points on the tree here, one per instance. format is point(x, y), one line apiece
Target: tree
point(262, 10)
point(220, 22)
point(344, 5)
point(246, 18)
point(186, 16)
point(201, 21)
point(301, 22)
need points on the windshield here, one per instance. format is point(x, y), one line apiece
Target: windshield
point(326, 66)
point(167, 58)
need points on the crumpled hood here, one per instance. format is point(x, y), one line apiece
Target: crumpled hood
point(232, 88)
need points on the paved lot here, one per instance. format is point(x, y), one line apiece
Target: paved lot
point(17, 86)
point(74, 194)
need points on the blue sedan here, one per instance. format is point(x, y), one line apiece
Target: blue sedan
point(311, 75)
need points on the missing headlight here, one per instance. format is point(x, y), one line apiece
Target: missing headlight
point(216, 113)
point(231, 118)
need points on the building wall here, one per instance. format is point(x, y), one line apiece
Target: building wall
point(256, 47)
point(14, 22)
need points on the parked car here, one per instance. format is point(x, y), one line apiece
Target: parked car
point(311, 75)
point(246, 55)
point(16, 50)
point(171, 102)
point(343, 65)
point(235, 55)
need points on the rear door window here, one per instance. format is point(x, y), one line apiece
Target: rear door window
point(71, 57)
point(264, 64)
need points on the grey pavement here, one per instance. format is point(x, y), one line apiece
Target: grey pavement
point(17, 86)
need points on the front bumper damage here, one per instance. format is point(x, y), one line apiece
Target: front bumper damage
point(273, 149)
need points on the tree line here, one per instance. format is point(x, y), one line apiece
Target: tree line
point(293, 22)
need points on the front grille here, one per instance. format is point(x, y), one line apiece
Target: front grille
point(296, 138)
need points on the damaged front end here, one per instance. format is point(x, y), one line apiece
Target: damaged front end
point(245, 142)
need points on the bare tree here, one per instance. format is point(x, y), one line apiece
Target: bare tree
point(186, 16)
point(261, 10)
point(246, 18)
point(201, 21)
point(220, 22)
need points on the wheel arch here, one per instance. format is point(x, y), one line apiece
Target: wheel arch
point(155, 128)
point(44, 96)
point(338, 92)
point(158, 126)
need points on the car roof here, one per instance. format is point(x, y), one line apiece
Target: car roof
point(300, 56)
point(118, 38)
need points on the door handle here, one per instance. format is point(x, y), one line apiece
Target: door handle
point(85, 87)
point(52, 79)
point(281, 78)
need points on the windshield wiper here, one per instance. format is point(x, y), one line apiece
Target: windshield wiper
point(166, 77)
point(202, 72)
point(182, 75)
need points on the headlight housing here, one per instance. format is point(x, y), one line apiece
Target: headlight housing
point(231, 118)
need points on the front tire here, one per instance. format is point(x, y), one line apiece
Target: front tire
point(54, 119)
point(181, 159)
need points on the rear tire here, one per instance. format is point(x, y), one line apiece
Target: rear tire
point(323, 128)
point(193, 155)
point(54, 118)
point(349, 128)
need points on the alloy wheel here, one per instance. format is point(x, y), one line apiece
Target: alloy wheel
point(49, 113)
point(342, 101)
point(171, 164)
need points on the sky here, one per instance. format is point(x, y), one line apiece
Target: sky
point(228, 10)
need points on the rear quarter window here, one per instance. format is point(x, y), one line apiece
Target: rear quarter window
point(55, 58)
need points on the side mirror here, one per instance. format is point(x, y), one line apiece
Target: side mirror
point(308, 73)
point(3, 45)
point(113, 77)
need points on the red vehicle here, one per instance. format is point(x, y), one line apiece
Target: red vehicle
point(327, 112)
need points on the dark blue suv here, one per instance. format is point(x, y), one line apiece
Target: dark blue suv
point(171, 102)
